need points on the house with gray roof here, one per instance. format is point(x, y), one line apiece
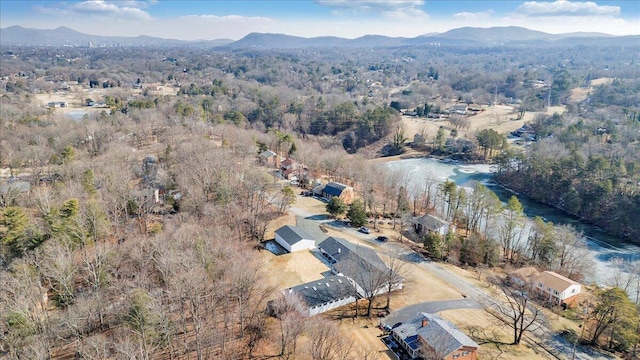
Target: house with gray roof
point(426, 224)
point(294, 238)
point(431, 337)
point(324, 294)
point(361, 265)
point(270, 158)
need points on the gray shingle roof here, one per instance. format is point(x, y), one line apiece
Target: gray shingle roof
point(293, 234)
point(440, 334)
point(430, 222)
point(357, 262)
point(325, 290)
point(312, 228)
point(267, 154)
point(341, 248)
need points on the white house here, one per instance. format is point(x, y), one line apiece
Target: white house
point(294, 238)
point(324, 294)
point(556, 289)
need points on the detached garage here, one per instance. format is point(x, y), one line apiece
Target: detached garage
point(294, 238)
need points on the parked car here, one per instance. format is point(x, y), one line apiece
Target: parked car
point(382, 238)
point(365, 230)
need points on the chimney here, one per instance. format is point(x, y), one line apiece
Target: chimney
point(425, 322)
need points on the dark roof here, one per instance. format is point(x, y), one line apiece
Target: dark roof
point(293, 234)
point(440, 334)
point(430, 222)
point(340, 248)
point(325, 290)
point(351, 259)
point(334, 189)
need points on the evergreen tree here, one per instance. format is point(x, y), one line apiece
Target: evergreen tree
point(357, 213)
point(336, 206)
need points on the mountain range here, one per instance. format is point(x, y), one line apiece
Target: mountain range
point(466, 36)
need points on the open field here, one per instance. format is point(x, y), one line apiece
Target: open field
point(501, 118)
point(77, 95)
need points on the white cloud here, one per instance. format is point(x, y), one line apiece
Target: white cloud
point(566, 8)
point(473, 16)
point(393, 8)
point(128, 9)
point(100, 7)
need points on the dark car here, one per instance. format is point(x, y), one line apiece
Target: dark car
point(365, 230)
point(382, 238)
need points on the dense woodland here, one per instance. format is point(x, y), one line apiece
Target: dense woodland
point(94, 267)
point(586, 162)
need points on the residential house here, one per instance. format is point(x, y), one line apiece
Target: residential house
point(294, 238)
point(556, 289)
point(353, 267)
point(523, 277)
point(292, 170)
point(460, 109)
point(429, 336)
point(270, 158)
point(426, 224)
point(362, 265)
point(325, 294)
point(312, 228)
point(334, 189)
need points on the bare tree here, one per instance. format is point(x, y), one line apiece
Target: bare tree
point(572, 255)
point(519, 313)
point(326, 342)
point(395, 274)
point(369, 275)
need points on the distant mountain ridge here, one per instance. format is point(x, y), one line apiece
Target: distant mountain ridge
point(465, 36)
point(63, 36)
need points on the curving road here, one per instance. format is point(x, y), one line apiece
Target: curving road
point(474, 297)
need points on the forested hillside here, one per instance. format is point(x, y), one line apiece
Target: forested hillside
point(587, 162)
point(133, 201)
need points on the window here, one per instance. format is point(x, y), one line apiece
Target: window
point(457, 355)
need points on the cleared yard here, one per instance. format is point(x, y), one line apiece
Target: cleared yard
point(293, 269)
point(493, 336)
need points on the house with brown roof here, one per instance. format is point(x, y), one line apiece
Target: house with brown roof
point(523, 277)
point(428, 336)
point(290, 169)
point(556, 289)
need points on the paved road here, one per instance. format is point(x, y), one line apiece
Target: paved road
point(409, 312)
point(474, 296)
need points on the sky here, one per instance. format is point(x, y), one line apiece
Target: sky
point(233, 19)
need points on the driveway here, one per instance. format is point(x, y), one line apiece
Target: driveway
point(409, 312)
point(473, 295)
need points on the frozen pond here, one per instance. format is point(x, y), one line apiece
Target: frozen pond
point(602, 246)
